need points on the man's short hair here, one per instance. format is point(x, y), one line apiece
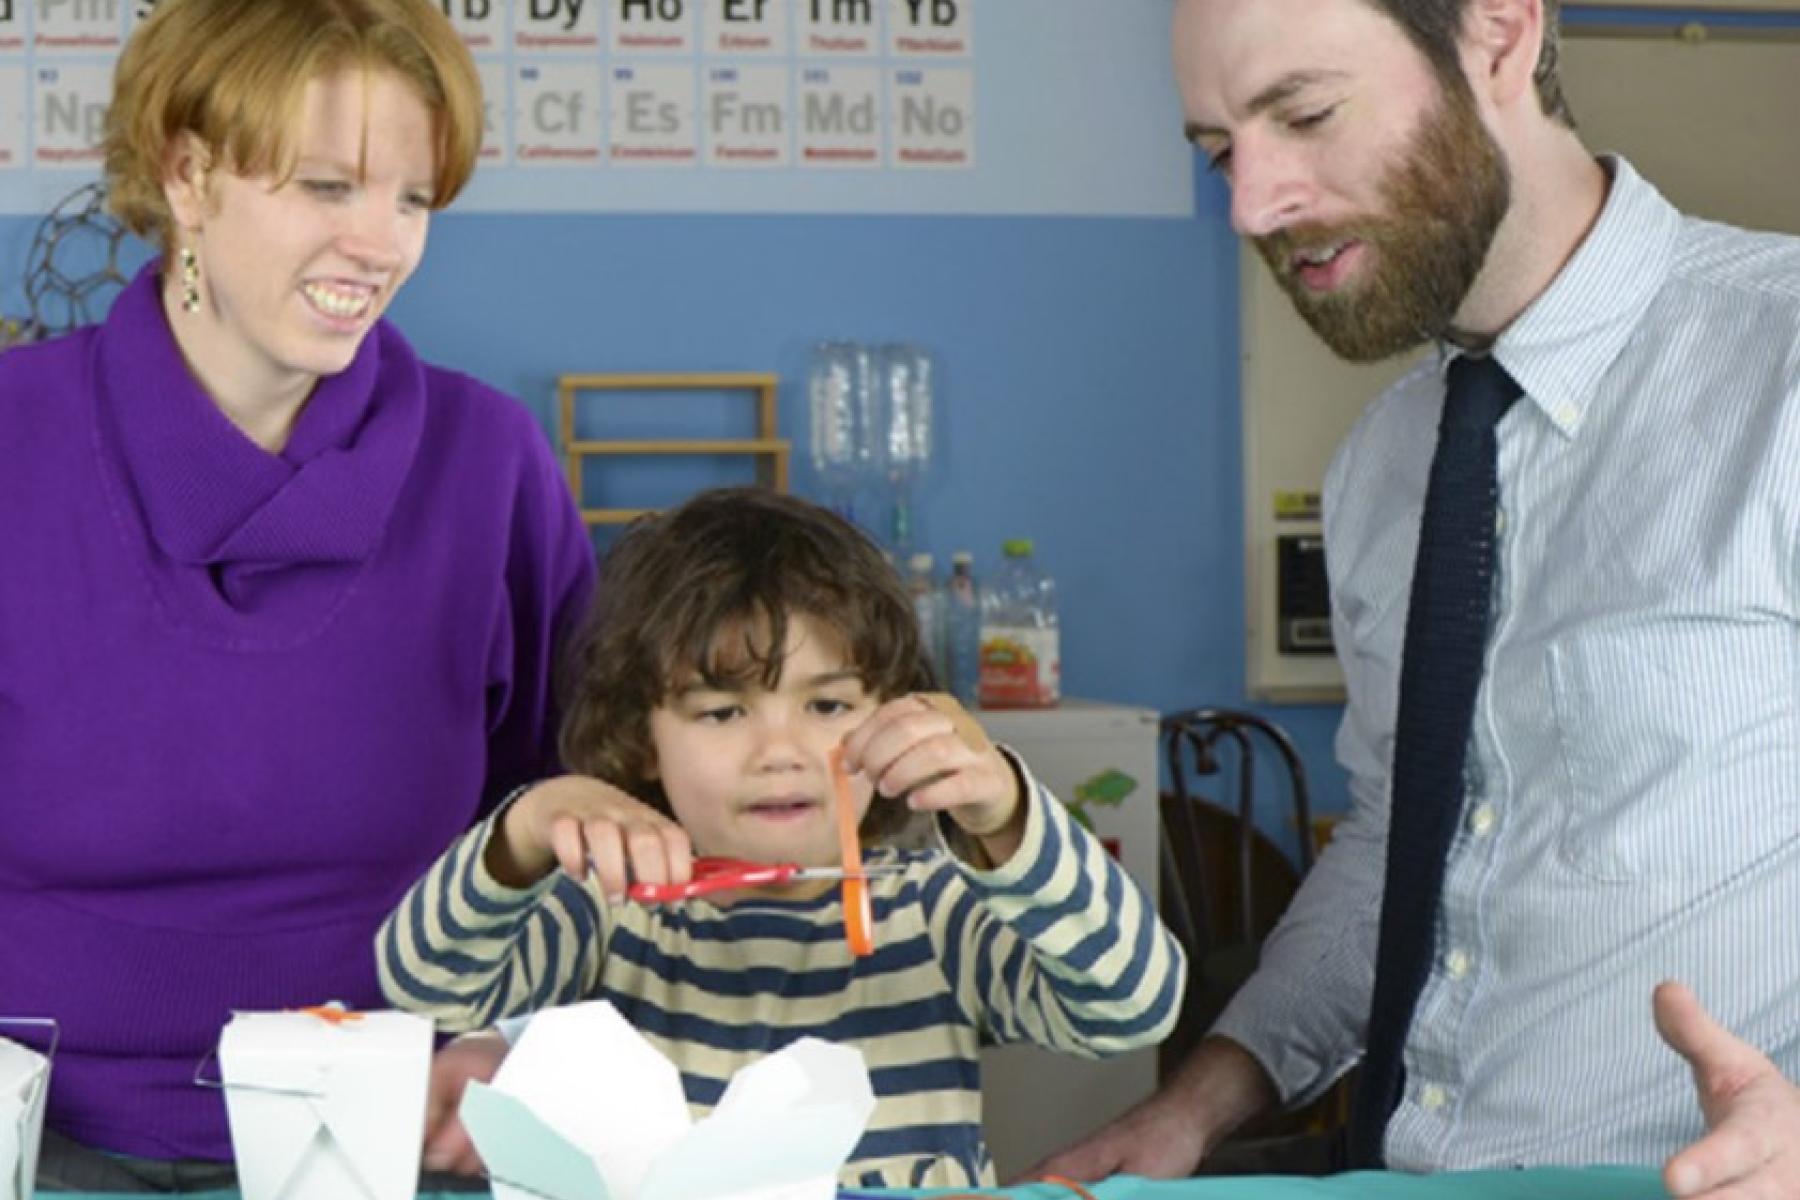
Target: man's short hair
point(1436, 25)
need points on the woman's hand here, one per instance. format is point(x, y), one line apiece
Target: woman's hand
point(582, 825)
point(927, 748)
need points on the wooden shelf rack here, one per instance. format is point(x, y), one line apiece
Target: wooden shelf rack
point(771, 452)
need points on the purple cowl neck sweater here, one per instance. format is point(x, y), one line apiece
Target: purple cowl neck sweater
point(247, 698)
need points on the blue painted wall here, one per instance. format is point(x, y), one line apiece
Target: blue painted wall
point(1088, 379)
point(1087, 376)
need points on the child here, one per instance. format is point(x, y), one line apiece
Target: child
point(736, 641)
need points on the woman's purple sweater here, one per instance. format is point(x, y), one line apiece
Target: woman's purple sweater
point(246, 698)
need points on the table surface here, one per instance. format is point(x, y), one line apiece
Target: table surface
point(1595, 1183)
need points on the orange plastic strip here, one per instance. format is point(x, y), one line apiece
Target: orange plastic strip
point(859, 917)
point(331, 1014)
point(1066, 1182)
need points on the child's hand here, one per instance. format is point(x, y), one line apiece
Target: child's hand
point(579, 823)
point(927, 748)
point(447, 1144)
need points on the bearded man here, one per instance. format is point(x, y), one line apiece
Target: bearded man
point(1565, 571)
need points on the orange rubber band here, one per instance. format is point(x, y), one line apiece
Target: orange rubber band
point(1065, 1181)
point(859, 917)
point(331, 1014)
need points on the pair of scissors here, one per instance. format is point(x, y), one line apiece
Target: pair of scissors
point(726, 874)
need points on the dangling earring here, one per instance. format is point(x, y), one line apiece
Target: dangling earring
point(190, 281)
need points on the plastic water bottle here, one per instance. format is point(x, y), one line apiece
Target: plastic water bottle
point(928, 603)
point(962, 628)
point(1021, 656)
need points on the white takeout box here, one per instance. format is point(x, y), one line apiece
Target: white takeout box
point(326, 1110)
point(583, 1108)
point(24, 1083)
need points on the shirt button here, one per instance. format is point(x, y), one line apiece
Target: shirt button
point(1456, 964)
point(1432, 1097)
point(1483, 820)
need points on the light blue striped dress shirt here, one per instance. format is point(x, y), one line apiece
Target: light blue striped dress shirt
point(1633, 802)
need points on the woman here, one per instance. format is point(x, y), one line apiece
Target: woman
point(279, 601)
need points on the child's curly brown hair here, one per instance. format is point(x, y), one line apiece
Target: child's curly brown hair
point(708, 588)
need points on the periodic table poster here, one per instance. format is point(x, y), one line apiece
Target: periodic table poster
point(820, 106)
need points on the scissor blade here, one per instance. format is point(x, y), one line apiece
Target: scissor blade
point(839, 872)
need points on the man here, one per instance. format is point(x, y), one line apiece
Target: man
point(1629, 801)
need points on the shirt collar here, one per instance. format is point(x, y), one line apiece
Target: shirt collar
point(1563, 343)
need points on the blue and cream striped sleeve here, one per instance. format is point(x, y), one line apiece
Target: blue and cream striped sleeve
point(1058, 947)
point(467, 951)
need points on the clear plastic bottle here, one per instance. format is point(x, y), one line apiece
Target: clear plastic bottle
point(1021, 657)
point(962, 629)
point(846, 451)
point(928, 603)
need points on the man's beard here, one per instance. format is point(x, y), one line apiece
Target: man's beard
point(1444, 200)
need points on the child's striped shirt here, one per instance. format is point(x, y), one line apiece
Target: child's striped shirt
point(1058, 947)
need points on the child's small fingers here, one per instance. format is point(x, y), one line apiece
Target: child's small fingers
point(967, 779)
point(966, 726)
point(938, 752)
point(949, 776)
point(648, 854)
point(567, 847)
point(912, 746)
point(937, 793)
point(880, 730)
point(680, 851)
point(449, 1148)
point(606, 855)
point(856, 743)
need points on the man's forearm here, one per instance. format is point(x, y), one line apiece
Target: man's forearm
point(1224, 1085)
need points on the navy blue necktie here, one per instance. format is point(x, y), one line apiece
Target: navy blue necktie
point(1440, 672)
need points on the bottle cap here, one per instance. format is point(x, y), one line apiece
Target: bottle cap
point(962, 558)
point(1016, 548)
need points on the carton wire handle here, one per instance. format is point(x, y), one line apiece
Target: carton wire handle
point(221, 1085)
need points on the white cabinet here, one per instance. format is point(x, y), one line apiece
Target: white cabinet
point(1035, 1101)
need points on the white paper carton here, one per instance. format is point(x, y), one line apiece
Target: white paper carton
point(326, 1109)
point(584, 1108)
point(24, 1083)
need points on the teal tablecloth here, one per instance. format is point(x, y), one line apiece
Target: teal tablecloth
point(1596, 1183)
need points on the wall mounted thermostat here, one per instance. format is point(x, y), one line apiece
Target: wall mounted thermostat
point(1302, 595)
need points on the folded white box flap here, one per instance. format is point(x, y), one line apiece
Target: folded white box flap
point(520, 1151)
point(581, 1083)
point(24, 1084)
point(588, 1075)
point(786, 1122)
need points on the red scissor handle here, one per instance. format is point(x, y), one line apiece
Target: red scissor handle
point(715, 875)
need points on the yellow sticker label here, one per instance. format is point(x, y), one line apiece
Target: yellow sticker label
point(1296, 506)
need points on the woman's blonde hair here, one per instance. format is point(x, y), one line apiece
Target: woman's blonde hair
point(234, 72)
